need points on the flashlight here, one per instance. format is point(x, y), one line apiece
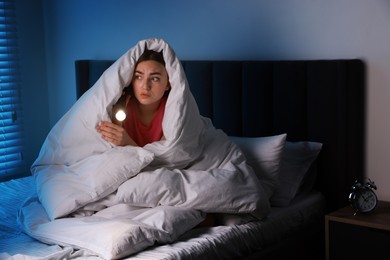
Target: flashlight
point(119, 108)
point(120, 115)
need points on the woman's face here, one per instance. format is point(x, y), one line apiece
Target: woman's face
point(150, 81)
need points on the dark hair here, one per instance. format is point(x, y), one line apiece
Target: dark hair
point(147, 55)
point(152, 55)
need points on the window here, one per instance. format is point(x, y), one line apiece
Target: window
point(11, 139)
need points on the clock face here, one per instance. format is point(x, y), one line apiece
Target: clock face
point(366, 200)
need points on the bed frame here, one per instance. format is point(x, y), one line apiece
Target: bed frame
point(313, 100)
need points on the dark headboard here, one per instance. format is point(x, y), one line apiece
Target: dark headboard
point(314, 100)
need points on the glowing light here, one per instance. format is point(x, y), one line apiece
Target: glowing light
point(120, 115)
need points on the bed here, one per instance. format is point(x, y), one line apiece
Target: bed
point(319, 104)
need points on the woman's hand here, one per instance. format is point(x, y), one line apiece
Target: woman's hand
point(114, 134)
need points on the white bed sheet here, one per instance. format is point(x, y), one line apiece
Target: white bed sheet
point(222, 242)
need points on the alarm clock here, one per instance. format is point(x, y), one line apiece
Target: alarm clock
point(362, 197)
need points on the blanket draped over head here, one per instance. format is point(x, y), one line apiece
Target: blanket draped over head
point(115, 201)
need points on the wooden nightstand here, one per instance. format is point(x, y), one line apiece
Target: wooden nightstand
point(364, 236)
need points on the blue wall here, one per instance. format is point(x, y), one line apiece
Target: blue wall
point(212, 29)
point(205, 29)
point(33, 75)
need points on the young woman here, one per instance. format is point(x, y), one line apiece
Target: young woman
point(145, 107)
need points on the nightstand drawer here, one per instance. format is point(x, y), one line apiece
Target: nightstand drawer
point(347, 241)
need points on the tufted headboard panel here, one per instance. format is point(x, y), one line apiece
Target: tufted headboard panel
point(314, 100)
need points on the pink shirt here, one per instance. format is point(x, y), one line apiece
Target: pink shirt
point(141, 133)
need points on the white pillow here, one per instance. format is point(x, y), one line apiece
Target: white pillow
point(113, 233)
point(296, 161)
point(264, 155)
point(63, 189)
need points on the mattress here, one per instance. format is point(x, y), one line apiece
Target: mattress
point(220, 242)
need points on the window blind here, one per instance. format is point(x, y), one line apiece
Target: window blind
point(11, 127)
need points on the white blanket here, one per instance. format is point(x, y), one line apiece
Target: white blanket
point(116, 201)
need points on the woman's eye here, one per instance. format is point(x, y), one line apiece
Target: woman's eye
point(156, 79)
point(137, 77)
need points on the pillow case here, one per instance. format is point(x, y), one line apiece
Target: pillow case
point(130, 231)
point(264, 155)
point(63, 189)
point(297, 159)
